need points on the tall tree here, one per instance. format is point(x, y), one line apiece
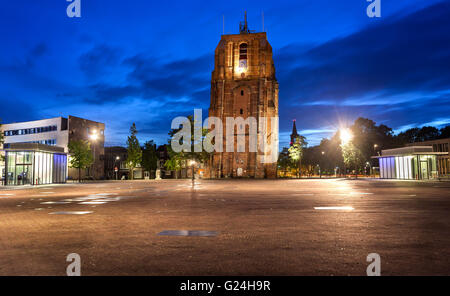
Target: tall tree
point(178, 160)
point(413, 135)
point(296, 152)
point(353, 158)
point(80, 155)
point(149, 156)
point(134, 151)
point(428, 133)
point(284, 162)
point(444, 132)
point(367, 134)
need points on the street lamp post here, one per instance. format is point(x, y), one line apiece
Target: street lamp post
point(117, 171)
point(93, 137)
point(320, 171)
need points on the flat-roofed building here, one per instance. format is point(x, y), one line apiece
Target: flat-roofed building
point(58, 132)
point(34, 164)
point(410, 163)
point(441, 145)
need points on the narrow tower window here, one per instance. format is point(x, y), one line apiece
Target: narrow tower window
point(243, 55)
point(230, 54)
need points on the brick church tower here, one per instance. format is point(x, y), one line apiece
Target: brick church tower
point(244, 85)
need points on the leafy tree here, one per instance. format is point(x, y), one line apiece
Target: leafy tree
point(445, 132)
point(413, 135)
point(409, 136)
point(353, 158)
point(296, 152)
point(367, 134)
point(428, 133)
point(80, 156)
point(178, 160)
point(149, 156)
point(134, 151)
point(284, 162)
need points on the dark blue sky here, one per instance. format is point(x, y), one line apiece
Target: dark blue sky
point(150, 61)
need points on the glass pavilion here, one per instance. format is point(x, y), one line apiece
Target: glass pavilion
point(35, 164)
point(410, 163)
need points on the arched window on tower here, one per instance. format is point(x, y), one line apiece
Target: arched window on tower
point(243, 55)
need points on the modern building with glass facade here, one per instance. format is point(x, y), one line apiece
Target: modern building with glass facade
point(410, 163)
point(35, 164)
point(440, 145)
point(58, 132)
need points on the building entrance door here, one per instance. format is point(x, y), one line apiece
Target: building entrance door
point(23, 174)
point(239, 172)
point(424, 168)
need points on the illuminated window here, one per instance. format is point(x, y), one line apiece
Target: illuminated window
point(243, 55)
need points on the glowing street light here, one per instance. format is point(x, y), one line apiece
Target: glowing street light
point(346, 136)
point(94, 135)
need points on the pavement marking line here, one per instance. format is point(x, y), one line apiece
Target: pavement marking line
point(92, 202)
point(188, 233)
point(334, 208)
point(55, 202)
point(71, 213)
point(6, 194)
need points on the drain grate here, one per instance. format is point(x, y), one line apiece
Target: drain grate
point(188, 233)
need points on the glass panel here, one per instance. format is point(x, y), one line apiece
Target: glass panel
point(19, 158)
point(11, 169)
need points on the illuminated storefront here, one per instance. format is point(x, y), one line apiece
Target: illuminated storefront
point(35, 164)
point(409, 163)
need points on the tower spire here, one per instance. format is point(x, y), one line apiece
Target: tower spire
point(294, 133)
point(243, 26)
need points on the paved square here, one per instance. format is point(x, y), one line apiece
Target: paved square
point(263, 227)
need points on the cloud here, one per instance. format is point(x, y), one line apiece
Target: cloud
point(394, 72)
point(408, 54)
point(99, 60)
point(148, 78)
